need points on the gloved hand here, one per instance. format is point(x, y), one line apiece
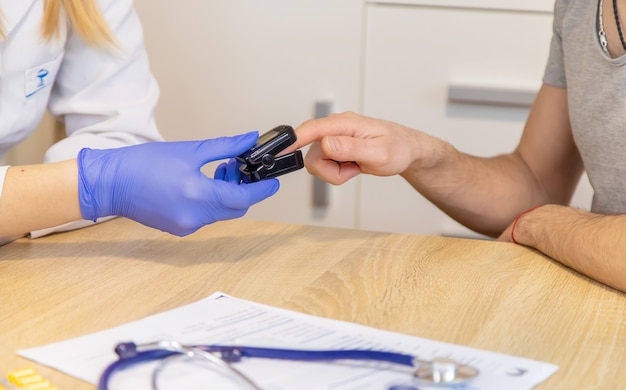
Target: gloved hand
point(159, 184)
point(229, 171)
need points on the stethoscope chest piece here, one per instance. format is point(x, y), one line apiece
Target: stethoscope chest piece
point(443, 371)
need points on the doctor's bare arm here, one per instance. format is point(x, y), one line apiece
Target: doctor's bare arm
point(38, 196)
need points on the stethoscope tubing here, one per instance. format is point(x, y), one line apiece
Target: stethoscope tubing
point(140, 357)
point(255, 352)
point(317, 355)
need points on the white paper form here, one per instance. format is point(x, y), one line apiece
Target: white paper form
point(226, 320)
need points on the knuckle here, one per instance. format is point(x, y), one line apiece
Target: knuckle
point(185, 224)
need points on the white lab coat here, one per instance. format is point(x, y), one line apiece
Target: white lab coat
point(104, 97)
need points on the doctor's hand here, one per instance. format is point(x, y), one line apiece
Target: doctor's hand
point(160, 184)
point(344, 145)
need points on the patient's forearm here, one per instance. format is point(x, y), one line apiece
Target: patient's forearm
point(592, 244)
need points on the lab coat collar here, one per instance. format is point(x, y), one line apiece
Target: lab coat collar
point(14, 10)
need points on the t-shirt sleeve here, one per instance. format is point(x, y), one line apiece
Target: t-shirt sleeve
point(555, 69)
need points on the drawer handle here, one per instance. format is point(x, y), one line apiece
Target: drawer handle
point(517, 96)
point(321, 197)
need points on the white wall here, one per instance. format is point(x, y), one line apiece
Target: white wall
point(217, 61)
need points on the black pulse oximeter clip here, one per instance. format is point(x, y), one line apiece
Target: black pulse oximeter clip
point(260, 161)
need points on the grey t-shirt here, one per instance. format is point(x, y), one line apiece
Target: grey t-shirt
point(596, 91)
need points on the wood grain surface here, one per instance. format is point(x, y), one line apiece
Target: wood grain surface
point(484, 294)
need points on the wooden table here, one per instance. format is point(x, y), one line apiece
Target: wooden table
point(490, 295)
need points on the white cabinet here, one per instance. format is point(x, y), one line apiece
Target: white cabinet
point(415, 57)
point(228, 67)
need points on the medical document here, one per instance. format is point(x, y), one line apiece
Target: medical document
point(227, 320)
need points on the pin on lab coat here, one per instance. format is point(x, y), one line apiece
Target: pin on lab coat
point(104, 96)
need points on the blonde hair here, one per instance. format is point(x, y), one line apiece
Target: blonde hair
point(85, 17)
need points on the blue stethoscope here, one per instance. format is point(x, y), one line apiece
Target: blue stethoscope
point(439, 371)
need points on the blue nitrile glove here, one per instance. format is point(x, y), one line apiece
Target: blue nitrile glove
point(159, 184)
point(229, 171)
